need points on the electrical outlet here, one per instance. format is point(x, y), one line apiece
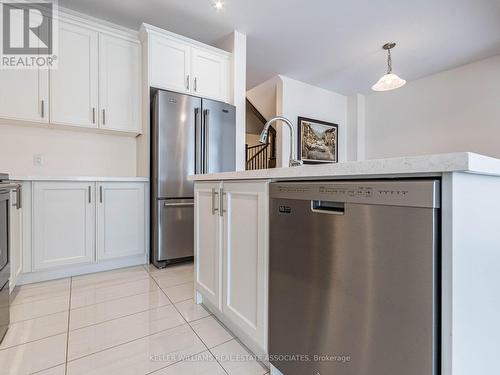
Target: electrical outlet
point(37, 160)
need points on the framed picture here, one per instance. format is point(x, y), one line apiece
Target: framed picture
point(318, 141)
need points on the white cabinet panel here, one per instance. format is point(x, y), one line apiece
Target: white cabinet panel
point(170, 64)
point(15, 237)
point(210, 72)
point(119, 83)
point(121, 218)
point(207, 242)
point(24, 95)
point(74, 84)
point(63, 224)
point(245, 275)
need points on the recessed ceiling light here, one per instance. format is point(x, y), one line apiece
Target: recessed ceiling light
point(218, 5)
point(389, 81)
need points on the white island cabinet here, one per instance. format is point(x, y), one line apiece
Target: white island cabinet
point(73, 226)
point(231, 256)
point(469, 248)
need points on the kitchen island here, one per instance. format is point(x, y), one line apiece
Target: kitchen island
point(232, 248)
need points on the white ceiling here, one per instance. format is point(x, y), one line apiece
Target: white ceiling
point(329, 43)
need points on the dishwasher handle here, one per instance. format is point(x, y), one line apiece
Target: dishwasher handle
point(328, 207)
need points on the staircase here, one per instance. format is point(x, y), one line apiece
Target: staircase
point(261, 156)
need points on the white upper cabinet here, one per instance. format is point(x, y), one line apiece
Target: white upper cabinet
point(209, 74)
point(121, 218)
point(170, 64)
point(24, 95)
point(119, 83)
point(96, 83)
point(74, 84)
point(63, 224)
point(186, 66)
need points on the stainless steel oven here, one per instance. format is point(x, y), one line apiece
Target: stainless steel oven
point(6, 188)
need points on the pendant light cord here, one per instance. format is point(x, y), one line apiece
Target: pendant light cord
point(389, 61)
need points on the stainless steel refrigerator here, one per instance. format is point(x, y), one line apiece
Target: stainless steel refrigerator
point(189, 135)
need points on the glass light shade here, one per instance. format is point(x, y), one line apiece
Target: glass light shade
point(388, 82)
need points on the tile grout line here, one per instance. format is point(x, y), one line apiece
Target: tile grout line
point(123, 343)
point(139, 338)
point(199, 338)
point(67, 332)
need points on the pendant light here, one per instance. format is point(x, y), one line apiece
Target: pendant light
point(389, 81)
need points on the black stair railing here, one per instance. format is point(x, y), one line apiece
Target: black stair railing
point(264, 155)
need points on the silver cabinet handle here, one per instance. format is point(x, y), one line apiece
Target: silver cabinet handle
point(187, 82)
point(90, 194)
point(43, 109)
point(104, 116)
point(221, 202)
point(195, 84)
point(19, 196)
point(100, 194)
point(93, 115)
point(214, 193)
point(187, 204)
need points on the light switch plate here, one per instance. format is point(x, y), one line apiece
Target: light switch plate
point(37, 160)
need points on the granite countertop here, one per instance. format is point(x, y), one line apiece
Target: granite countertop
point(425, 165)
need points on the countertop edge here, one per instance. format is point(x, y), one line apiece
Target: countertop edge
point(80, 178)
point(424, 165)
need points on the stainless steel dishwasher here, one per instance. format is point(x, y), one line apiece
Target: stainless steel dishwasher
point(354, 277)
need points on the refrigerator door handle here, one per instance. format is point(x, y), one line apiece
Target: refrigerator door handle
point(198, 143)
point(206, 152)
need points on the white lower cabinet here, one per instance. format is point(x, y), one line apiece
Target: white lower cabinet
point(82, 226)
point(121, 218)
point(15, 237)
point(63, 224)
point(207, 242)
point(233, 249)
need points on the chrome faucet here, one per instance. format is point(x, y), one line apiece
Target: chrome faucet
point(293, 162)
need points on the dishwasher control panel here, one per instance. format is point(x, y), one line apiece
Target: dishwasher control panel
point(417, 193)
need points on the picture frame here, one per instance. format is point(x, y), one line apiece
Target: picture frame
point(317, 141)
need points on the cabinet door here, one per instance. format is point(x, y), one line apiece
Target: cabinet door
point(245, 276)
point(24, 95)
point(74, 84)
point(170, 64)
point(121, 219)
point(210, 74)
point(15, 237)
point(119, 84)
point(63, 224)
point(207, 223)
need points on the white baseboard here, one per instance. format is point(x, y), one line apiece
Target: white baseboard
point(67, 271)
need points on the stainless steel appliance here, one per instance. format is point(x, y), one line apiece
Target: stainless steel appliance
point(5, 206)
point(354, 277)
point(189, 135)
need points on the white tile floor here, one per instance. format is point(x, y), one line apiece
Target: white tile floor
point(137, 320)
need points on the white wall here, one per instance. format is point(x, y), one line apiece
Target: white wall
point(263, 97)
point(455, 110)
point(296, 99)
point(65, 152)
point(236, 43)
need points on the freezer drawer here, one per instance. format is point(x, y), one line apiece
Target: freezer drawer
point(354, 283)
point(175, 229)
